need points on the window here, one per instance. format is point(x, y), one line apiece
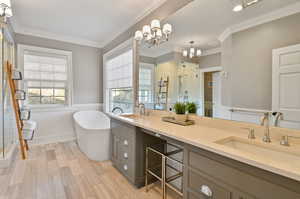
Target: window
point(46, 76)
point(118, 74)
point(146, 84)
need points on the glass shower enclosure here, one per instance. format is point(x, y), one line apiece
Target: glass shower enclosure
point(7, 119)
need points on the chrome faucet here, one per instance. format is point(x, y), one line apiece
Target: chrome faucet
point(142, 109)
point(265, 121)
point(251, 134)
point(277, 116)
point(285, 140)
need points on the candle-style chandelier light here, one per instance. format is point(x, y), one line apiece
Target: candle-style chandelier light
point(5, 8)
point(192, 51)
point(153, 34)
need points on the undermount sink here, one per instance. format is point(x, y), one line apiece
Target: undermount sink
point(263, 150)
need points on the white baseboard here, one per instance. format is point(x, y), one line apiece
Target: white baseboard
point(10, 155)
point(56, 125)
point(52, 139)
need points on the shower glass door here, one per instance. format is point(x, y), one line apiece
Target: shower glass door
point(8, 122)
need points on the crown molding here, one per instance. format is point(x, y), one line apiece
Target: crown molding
point(153, 7)
point(211, 51)
point(49, 35)
point(277, 14)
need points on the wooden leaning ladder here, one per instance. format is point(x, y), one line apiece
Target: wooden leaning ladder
point(13, 87)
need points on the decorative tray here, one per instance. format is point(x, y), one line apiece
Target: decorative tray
point(172, 120)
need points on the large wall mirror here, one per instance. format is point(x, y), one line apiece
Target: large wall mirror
point(233, 65)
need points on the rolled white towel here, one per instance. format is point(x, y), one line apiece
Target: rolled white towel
point(29, 125)
point(28, 129)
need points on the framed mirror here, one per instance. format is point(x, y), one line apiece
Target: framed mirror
point(232, 65)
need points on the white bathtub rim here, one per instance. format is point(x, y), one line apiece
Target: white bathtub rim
point(91, 129)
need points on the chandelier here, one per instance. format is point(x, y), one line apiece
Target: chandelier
point(5, 8)
point(152, 34)
point(192, 51)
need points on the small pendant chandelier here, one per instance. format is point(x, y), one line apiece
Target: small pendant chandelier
point(192, 51)
point(152, 34)
point(5, 8)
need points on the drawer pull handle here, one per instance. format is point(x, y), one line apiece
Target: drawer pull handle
point(125, 142)
point(206, 190)
point(125, 155)
point(125, 167)
point(157, 135)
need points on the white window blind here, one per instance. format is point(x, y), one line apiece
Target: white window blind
point(119, 71)
point(146, 83)
point(46, 78)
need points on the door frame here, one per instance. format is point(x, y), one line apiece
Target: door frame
point(201, 73)
point(276, 84)
point(275, 81)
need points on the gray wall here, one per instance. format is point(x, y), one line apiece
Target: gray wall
point(247, 57)
point(210, 60)
point(87, 67)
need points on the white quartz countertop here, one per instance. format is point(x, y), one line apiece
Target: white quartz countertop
point(206, 132)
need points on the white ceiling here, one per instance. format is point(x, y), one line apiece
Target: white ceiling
point(203, 21)
point(89, 22)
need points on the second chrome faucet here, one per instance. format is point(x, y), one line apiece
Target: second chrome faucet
point(265, 121)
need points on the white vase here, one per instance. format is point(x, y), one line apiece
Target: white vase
point(181, 117)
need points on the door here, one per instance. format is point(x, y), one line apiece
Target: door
point(286, 83)
point(216, 79)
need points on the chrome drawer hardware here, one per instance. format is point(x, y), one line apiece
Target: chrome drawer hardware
point(206, 190)
point(125, 167)
point(125, 155)
point(125, 142)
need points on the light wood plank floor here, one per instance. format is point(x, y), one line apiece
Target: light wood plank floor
point(61, 171)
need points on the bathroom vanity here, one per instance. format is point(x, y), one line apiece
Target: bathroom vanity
point(208, 172)
point(128, 150)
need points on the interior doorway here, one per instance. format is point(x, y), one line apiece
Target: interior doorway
point(208, 94)
point(211, 91)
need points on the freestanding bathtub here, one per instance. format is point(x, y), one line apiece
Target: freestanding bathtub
point(93, 134)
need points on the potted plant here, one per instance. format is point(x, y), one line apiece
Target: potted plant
point(180, 110)
point(191, 107)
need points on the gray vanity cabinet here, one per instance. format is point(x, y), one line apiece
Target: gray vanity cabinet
point(128, 150)
point(207, 174)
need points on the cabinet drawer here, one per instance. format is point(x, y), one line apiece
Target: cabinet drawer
point(240, 176)
point(207, 188)
point(127, 169)
point(126, 149)
point(123, 130)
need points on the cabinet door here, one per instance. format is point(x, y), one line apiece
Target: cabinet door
point(207, 188)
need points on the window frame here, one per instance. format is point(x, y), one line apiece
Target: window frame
point(123, 47)
point(150, 67)
point(69, 88)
